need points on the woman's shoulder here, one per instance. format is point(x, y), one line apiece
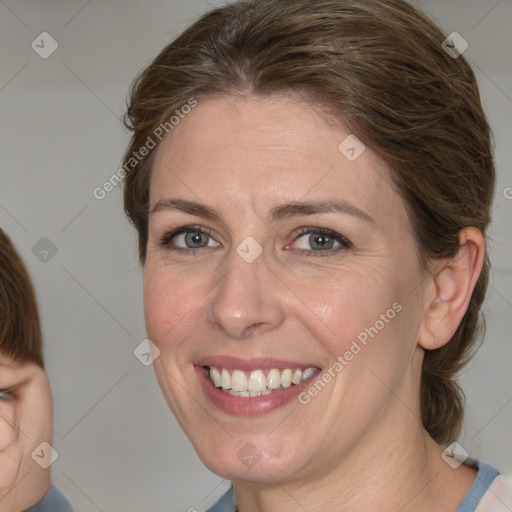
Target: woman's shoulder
point(53, 501)
point(490, 492)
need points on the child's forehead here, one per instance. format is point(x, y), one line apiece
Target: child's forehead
point(7, 361)
point(8, 364)
point(15, 372)
point(7, 369)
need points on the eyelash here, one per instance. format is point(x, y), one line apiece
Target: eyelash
point(166, 239)
point(344, 242)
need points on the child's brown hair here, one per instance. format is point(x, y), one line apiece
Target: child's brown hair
point(20, 328)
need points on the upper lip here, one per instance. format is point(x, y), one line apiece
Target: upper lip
point(256, 363)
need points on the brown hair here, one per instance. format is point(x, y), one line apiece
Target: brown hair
point(378, 66)
point(20, 330)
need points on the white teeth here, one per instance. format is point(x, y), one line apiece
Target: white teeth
point(237, 383)
point(306, 374)
point(257, 381)
point(286, 378)
point(297, 374)
point(273, 379)
point(246, 394)
point(226, 379)
point(215, 377)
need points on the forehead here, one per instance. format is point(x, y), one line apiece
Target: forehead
point(7, 363)
point(9, 370)
point(268, 150)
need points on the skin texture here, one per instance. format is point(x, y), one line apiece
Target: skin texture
point(359, 444)
point(25, 422)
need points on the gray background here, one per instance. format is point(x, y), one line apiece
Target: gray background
point(119, 447)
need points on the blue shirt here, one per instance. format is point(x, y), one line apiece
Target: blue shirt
point(53, 501)
point(485, 476)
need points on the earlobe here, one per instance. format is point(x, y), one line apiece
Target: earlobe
point(453, 285)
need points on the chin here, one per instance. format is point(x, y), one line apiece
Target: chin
point(245, 461)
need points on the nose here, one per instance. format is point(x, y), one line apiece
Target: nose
point(247, 300)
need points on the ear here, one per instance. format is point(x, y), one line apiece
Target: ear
point(453, 285)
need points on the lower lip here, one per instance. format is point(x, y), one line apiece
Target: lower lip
point(250, 406)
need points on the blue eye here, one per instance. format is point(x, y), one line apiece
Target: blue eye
point(322, 242)
point(191, 239)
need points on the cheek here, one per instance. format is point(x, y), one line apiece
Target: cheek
point(47, 415)
point(6, 429)
point(170, 304)
point(10, 457)
point(341, 308)
point(37, 414)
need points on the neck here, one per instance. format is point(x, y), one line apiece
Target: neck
point(402, 471)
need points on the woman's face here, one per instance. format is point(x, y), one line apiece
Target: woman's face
point(267, 280)
point(26, 421)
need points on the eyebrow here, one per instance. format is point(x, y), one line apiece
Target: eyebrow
point(284, 211)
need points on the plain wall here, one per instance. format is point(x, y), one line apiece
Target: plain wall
point(120, 449)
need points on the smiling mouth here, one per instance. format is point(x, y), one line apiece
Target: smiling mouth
point(259, 382)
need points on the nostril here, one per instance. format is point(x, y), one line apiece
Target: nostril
point(254, 328)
